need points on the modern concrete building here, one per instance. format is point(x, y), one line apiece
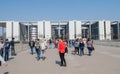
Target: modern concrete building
point(24, 31)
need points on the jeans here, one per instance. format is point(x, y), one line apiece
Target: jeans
point(50, 45)
point(89, 51)
point(38, 53)
point(32, 48)
point(6, 55)
point(81, 51)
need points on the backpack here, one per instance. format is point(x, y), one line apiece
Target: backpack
point(7, 45)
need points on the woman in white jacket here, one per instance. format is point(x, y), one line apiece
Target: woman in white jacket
point(43, 48)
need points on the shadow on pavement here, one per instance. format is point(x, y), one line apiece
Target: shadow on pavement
point(6, 73)
point(11, 58)
point(57, 62)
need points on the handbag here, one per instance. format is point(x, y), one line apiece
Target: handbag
point(66, 50)
point(93, 48)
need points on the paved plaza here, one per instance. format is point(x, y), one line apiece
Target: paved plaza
point(104, 60)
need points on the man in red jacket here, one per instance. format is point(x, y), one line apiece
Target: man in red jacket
point(61, 49)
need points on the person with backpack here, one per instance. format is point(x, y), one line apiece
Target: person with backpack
point(7, 47)
point(32, 45)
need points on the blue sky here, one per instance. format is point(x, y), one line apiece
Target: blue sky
point(34, 10)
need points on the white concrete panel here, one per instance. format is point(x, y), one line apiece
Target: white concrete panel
point(71, 29)
point(108, 30)
point(40, 29)
point(78, 29)
point(101, 30)
point(47, 30)
point(8, 30)
point(16, 33)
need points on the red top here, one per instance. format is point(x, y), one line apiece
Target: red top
point(61, 47)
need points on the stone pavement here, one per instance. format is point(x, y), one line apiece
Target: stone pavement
point(104, 60)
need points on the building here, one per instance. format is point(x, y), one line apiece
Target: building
point(24, 31)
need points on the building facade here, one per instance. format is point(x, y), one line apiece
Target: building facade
point(97, 30)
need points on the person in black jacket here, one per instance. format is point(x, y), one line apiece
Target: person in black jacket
point(32, 45)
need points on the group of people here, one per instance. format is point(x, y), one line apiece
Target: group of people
point(5, 47)
point(79, 46)
point(40, 47)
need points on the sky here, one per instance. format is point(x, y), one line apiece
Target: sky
point(35, 10)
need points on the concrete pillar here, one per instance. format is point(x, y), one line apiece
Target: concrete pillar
point(101, 30)
point(118, 30)
point(46, 29)
point(71, 30)
point(78, 29)
point(108, 30)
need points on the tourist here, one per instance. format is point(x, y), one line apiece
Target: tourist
point(37, 48)
point(50, 43)
point(32, 45)
point(43, 48)
point(76, 46)
point(61, 49)
point(89, 46)
point(81, 46)
point(7, 47)
point(12, 44)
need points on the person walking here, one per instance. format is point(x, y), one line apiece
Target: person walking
point(32, 45)
point(61, 49)
point(76, 45)
point(7, 47)
point(50, 43)
point(43, 48)
point(12, 44)
point(89, 46)
point(81, 46)
point(38, 48)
